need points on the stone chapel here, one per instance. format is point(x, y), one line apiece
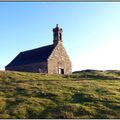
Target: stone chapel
point(51, 59)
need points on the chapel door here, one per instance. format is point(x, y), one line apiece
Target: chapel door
point(61, 71)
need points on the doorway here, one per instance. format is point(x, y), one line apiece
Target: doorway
point(61, 71)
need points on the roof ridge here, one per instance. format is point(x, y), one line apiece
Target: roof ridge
point(36, 48)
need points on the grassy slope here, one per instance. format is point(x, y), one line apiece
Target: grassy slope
point(83, 95)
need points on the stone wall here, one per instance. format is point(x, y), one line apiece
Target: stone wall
point(35, 67)
point(59, 59)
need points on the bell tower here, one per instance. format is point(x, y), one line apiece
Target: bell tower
point(57, 35)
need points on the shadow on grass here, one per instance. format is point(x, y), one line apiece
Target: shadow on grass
point(85, 76)
point(81, 98)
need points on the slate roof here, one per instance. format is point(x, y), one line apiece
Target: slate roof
point(32, 56)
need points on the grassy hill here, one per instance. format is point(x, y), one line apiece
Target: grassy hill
point(84, 94)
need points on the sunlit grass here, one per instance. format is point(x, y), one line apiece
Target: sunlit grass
point(80, 95)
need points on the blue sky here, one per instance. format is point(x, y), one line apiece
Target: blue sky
point(91, 31)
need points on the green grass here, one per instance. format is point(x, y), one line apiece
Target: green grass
point(94, 94)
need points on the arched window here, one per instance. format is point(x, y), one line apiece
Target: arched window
point(60, 36)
